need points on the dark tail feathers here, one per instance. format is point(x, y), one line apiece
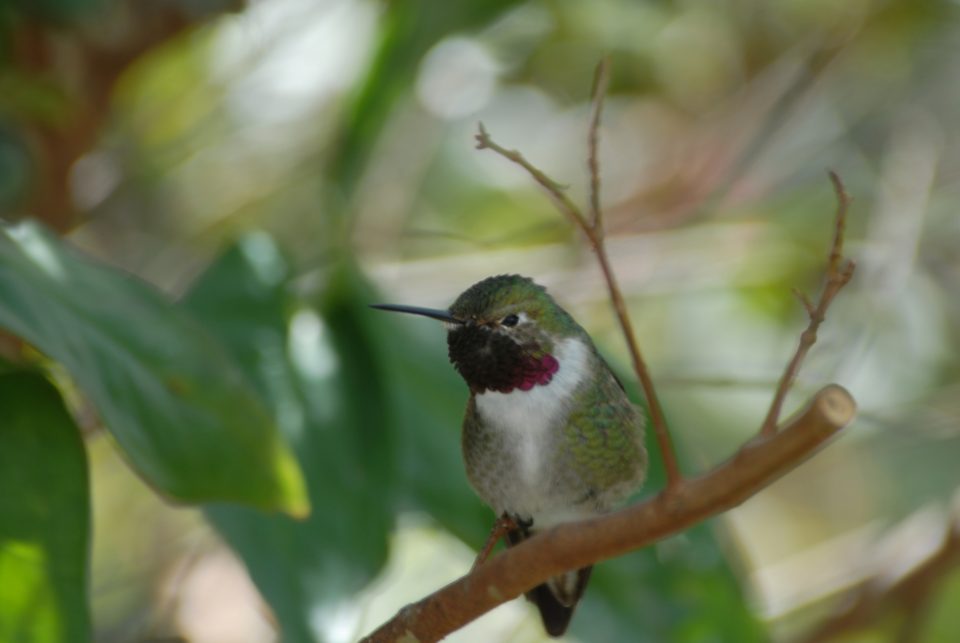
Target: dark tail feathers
point(555, 614)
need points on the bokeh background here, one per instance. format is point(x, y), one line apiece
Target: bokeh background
point(276, 165)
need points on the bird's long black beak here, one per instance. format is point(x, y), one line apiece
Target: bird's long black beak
point(433, 313)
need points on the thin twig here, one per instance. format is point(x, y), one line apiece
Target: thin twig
point(553, 188)
point(657, 418)
point(600, 82)
point(804, 300)
point(594, 232)
point(839, 271)
point(840, 229)
point(575, 545)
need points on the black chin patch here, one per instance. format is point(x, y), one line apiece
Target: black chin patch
point(490, 361)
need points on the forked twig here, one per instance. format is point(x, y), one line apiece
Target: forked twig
point(555, 190)
point(838, 273)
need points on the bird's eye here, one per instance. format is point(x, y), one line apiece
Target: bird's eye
point(510, 320)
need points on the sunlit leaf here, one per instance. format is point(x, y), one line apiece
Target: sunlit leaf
point(174, 401)
point(44, 516)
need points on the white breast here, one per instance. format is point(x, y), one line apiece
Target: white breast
point(525, 417)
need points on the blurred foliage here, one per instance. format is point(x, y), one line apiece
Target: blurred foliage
point(273, 167)
point(44, 516)
point(180, 410)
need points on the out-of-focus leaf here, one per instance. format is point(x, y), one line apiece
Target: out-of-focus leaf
point(428, 401)
point(918, 466)
point(166, 390)
point(944, 618)
point(61, 11)
point(323, 375)
point(15, 162)
point(44, 516)
point(408, 31)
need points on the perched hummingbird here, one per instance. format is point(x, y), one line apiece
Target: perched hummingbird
point(549, 435)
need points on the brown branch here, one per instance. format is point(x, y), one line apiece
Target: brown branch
point(595, 236)
point(575, 545)
point(839, 271)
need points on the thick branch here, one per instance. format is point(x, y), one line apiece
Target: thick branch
point(571, 546)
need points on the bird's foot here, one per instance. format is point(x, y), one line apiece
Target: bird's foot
point(501, 527)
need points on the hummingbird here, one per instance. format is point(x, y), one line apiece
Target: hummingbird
point(549, 435)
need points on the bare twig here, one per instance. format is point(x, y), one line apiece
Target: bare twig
point(839, 271)
point(657, 418)
point(554, 189)
point(600, 82)
point(804, 300)
point(575, 545)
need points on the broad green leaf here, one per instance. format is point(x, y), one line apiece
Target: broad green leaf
point(166, 390)
point(323, 377)
point(44, 516)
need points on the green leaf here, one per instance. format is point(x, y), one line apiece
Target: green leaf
point(166, 390)
point(44, 516)
point(322, 374)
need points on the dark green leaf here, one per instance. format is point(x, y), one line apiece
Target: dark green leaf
point(44, 516)
point(325, 384)
point(428, 401)
point(165, 389)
